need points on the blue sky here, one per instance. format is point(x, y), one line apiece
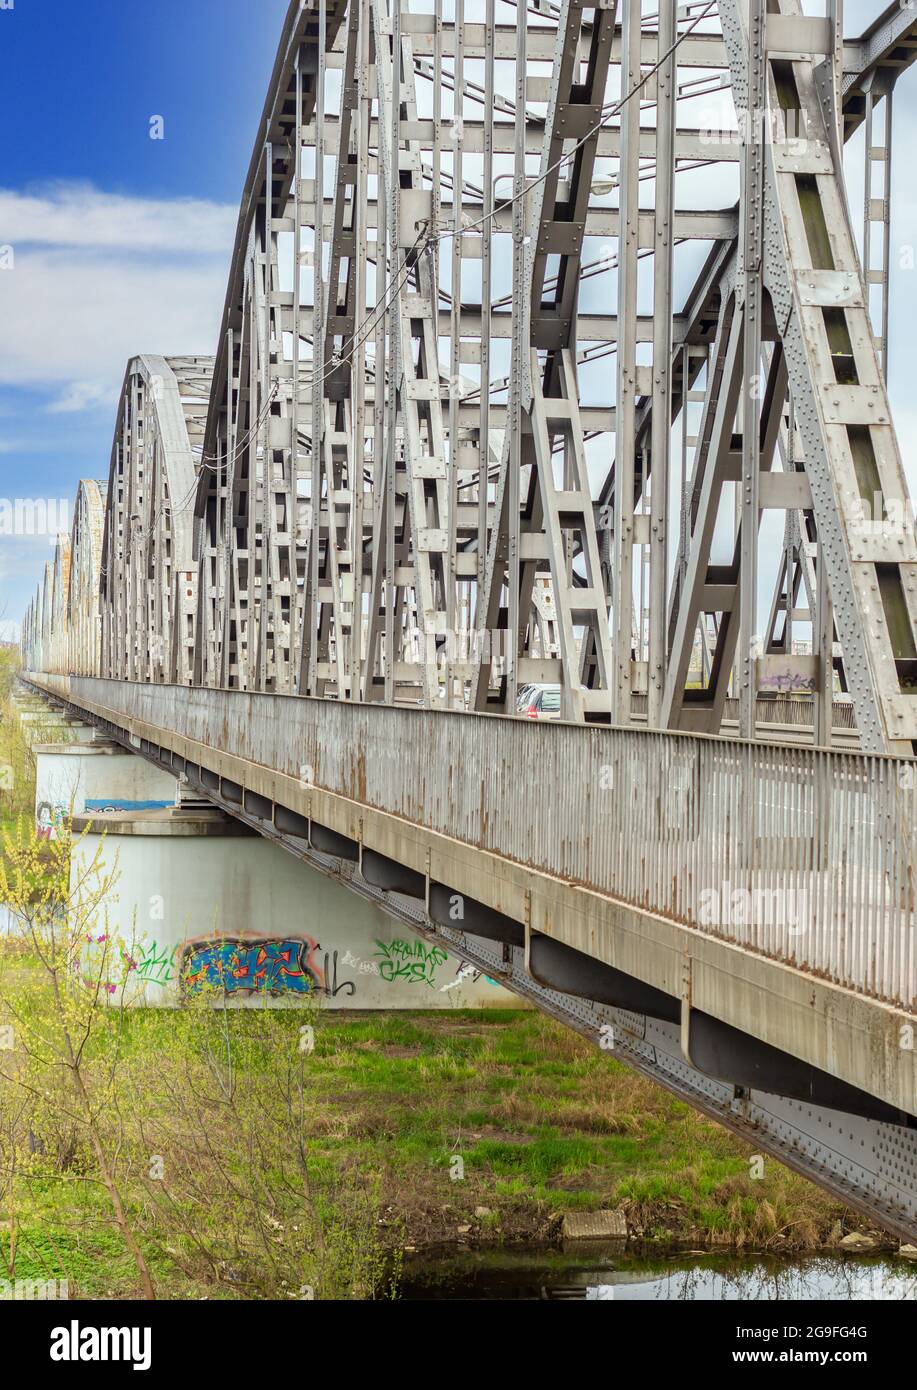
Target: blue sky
point(120, 243)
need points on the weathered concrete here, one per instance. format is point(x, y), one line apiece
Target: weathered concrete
point(49, 729)
point(43, 722)
point(75, 777)
point(595, 1225)
point(202, 901)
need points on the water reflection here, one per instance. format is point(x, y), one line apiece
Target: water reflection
point(815, 1279)
point(597, 1276)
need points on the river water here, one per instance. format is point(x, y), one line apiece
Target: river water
point(606, 1274)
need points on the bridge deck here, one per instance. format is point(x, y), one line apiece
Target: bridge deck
point(820, 842)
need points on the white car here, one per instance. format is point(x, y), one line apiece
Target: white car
point(542, 702)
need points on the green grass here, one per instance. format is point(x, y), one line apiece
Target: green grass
point(538, 1117)
point(543, 1122)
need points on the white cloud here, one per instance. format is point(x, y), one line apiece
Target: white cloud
point(18, 446)
point(80, 215)
point(98, 278)
point(79, 395)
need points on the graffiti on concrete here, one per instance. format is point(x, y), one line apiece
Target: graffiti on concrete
point(330, 984)
point(793, 677)
point(363, 967)
point(233, 965)
point(49, 816)
point(151, 962)
point(414, 962)
point(466, 974)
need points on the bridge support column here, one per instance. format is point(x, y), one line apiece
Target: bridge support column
point(205, 907)
point(72, 778)
point(42, 722)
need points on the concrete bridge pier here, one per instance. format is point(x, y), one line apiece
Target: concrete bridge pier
point(72, 778)
point(43, 722)
point(203, 906)
point(54, 728)
point(59, 731)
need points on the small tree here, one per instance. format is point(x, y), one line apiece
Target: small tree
point(17, 761)
point(62, 1008)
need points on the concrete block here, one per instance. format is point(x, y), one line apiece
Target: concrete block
point(595, 1225)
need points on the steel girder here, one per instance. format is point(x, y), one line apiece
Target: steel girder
point(876, 58)
point(147, 572)
point(414, 571)
point(812, 276)
point(85, 577)
point(253, 507)
point(543, 508)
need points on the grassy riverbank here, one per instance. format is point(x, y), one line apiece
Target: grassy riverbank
point(542, 1122)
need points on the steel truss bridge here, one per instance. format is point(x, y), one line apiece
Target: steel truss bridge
point(535, 318)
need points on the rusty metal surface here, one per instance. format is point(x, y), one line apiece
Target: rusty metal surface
point(800, 854)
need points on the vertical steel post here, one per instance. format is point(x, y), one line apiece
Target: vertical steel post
point(519, 369)
point(661, 428)
point(625, 403)
point(752, 228)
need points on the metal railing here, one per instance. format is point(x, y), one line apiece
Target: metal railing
point(796, 711)
point(801, 854)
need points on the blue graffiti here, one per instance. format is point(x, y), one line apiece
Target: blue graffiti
point(281, 966)
point(123, 804)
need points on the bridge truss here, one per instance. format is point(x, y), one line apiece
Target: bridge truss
point(513, 391)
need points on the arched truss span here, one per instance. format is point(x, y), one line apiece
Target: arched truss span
point(252, 500)
point(147, 602)
point(60, 598)
point(46, 603)
point(31, 635)
point(496, 240)
point(27, 638)
point(85, 579)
